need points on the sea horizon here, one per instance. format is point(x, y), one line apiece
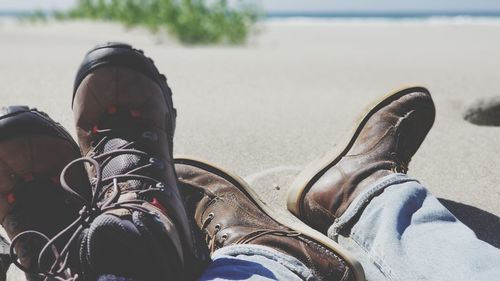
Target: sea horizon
point(383, 17)
point(349, 16)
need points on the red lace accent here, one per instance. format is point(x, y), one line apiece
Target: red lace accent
point(95, 129)
point(158, 205)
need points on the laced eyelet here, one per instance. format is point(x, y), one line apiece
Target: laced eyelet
point(217, 227)
point(160, 186)
point(157, 163)
point(206, 222)
point(95, 129)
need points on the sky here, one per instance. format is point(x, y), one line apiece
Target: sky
point(308, 5)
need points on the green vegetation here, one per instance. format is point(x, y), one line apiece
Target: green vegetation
point(191, 21)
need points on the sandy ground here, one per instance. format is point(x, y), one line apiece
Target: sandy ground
point(267, 109)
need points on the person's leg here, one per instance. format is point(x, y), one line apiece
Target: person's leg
point(359, 196)
point(405, 233)
point(252, 263)
point(246, 263)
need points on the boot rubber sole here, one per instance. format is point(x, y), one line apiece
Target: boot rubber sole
point(271, 212)
point(305, 180)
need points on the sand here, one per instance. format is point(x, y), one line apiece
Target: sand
point(265, 110)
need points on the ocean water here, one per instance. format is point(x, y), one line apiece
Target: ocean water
point(453, 17)
point(12, 14)
point(385, 17)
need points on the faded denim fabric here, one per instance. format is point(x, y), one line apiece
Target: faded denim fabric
point(399, 231)
point(396, 229)
point(254, 263)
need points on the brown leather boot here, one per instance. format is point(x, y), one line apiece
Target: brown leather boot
point(33, 151)
point(383, 143)
point(125, 123)
point(228, 212)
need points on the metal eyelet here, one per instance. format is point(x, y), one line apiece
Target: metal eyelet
point(217, 227)
point(160, 185)
point(224, 237)
point(156, 162)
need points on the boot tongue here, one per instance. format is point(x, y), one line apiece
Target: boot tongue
point(122, 164)
point(125, 130)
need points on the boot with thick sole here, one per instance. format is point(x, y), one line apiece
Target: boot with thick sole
point(383, 142)
point(228, 212)
point(125, 121)
point(34, 149)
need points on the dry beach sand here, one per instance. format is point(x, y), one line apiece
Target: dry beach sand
point(267, 109)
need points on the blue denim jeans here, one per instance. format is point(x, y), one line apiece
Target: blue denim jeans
point(247, 263)
point(405, 233)
point(254, 263)
point(396, 229)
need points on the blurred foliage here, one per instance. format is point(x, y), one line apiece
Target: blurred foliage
point(191, 21)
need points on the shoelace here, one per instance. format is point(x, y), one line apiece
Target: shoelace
point(212, 241)
point(401, 168)
point(259, 233)
point(59, 269)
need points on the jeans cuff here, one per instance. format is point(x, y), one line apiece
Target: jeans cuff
point(289, 262)
point(362, 200)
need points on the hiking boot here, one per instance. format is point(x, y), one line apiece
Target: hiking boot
point(33, 151)
point(383, 143)
point(125, 123)
point(228, 212)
